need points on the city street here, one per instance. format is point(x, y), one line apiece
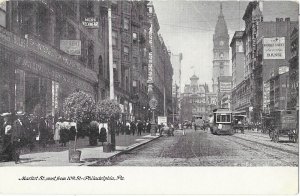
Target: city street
point(201, 148)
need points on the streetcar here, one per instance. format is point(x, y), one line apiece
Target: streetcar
point(222, 122)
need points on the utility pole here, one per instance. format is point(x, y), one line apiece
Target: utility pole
point(111, 71)
point(110, 51)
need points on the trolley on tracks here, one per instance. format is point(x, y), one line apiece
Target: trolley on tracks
point(284, 124)
point(222, 122)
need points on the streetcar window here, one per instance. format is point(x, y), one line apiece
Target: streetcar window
point(223, 118)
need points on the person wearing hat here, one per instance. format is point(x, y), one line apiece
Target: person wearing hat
point(43, 131)
point(6, 130)
point(17, 130)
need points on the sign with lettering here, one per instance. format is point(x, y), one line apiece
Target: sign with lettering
point(150, 65)
point(274, 48)
point(283, 69)
point(90, 22)
point(62, 60)
point(162, 120)
point(225, 86)
point(71, 47)
point(266, 95)
point(39, 68)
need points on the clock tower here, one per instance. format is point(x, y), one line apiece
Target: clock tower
point(220, 50)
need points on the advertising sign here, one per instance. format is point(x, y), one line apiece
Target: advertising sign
point(90, 22)
point(150, 65)
point(283, 69)
point(162, 119)
point(225, 87)
point(71, 47)
point(274, 48)
point(266, 95)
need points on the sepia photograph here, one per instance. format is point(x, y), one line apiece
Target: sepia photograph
point(148, 84)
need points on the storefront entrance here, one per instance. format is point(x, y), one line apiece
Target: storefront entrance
point(36, 95)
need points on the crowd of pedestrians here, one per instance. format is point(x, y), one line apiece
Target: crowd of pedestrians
point(22, 130)
point(133, 128)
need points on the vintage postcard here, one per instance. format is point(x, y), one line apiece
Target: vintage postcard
point(149, 97)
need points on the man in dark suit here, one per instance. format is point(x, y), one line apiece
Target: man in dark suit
point(17, 131)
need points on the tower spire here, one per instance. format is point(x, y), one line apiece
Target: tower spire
point(221, 9)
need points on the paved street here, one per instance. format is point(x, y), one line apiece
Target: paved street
point(204, 149)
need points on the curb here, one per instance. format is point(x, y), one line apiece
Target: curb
point(134, 146)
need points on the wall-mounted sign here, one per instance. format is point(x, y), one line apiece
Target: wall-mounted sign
point(283, 69)
point(150, 65)
point(90, 22)
point(274, 48)
point(225, 87)
point(71, 47)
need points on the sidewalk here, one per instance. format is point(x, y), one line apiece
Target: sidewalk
point(89, 155)
point(264, 139)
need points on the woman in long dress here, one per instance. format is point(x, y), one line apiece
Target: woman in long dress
point(57, 130)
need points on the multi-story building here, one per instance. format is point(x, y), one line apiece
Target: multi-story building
point(279, 88)
point(130, 26)
point(293, 101)
point(211, 102)
point(224, 91)
point(239, 101)
point(252, 16)
point(220, 50)
point(273, 54)
point(160, 71)
point(194, 100)
point(176, 86)
point(262, 42)
point(238, 58)
point(50, 49)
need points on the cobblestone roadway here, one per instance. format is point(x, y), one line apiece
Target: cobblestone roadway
point(204, 149)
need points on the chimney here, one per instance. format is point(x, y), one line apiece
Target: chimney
point(287, 19)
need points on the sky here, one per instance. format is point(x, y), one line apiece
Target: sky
point(188, 27)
